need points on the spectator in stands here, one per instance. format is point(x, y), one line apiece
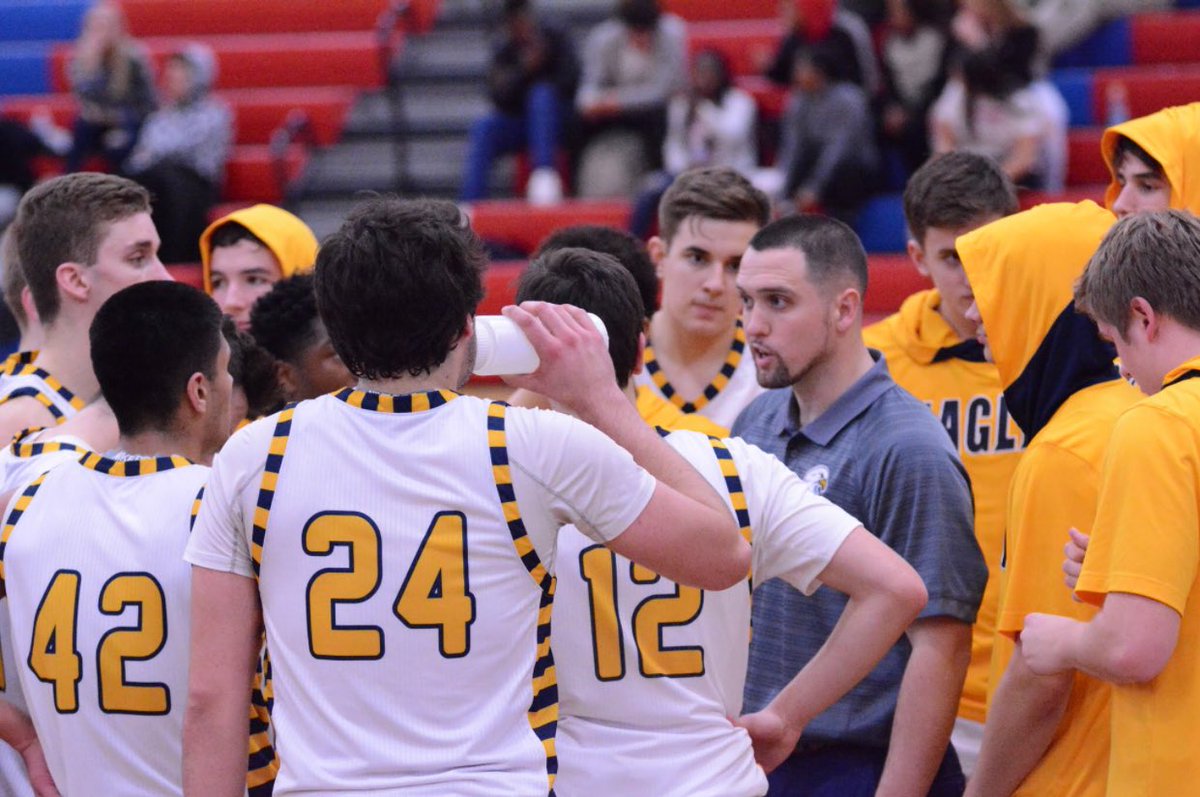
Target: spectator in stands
point(182, 150)
point(812, 22)
point(1154, 163)
point(981, 112)
point(532, 83)
point(111, 79)
point(245, 253)
point(915, 52)
point(285, 323)
point(632, 64)
point(713, 124)
point(827, 154)
point(999, 55)
point(1063, 23)
point(19, 145)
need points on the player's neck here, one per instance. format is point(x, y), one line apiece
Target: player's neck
point(448, 376)
point(157, 443)
point(683, 348)
point(827, 381)
point(64, 354)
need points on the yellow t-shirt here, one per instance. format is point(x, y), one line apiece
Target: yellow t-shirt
point(657, 411)
point(1055, 487)
point(1146, 541)
point(965, 394)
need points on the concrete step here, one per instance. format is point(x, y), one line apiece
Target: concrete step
point(427, 109)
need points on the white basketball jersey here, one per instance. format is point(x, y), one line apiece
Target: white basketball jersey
point(21, 463)
point(406, 592)
point(99, 598)
point(650, 671)
point(20, 377)
point(734, 386)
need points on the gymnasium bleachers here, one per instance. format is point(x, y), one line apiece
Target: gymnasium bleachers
point(276, 58)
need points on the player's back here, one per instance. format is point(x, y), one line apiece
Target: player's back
point(650, 671)
point(99, 598)
point(406, 609)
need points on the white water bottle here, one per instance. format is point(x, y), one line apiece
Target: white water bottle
point(502, 348)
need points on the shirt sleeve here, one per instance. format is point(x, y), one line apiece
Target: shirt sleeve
point(918, 500)
point(1052, 490)
point(220, 537)
point(795, 533)
point(1146, 539)
point(567, 472)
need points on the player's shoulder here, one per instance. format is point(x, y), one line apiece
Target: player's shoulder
point(21, 413)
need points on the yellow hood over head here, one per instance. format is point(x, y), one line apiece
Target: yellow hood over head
point(1022, 270)
point(289, 239)
point(1171, 137)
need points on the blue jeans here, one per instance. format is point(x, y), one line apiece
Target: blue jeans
point(496, 134)
point(843, 770)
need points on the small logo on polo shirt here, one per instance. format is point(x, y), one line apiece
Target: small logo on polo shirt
point(817, 478)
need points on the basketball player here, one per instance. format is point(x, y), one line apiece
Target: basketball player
point(80, 239)
point(90, 551)
point(399, 537)
point(696, 356)
point(643, 662)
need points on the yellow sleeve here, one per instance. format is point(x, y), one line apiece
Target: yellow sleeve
point(1146, 538)
point(1052, 491)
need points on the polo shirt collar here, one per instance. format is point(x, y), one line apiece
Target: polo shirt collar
point(848, 406)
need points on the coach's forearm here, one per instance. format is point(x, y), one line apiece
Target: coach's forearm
point(928, 702)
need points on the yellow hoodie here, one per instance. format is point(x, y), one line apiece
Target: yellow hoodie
point(1062, 388)
point(1172, 137)
point(289, 239)
point(926, 358)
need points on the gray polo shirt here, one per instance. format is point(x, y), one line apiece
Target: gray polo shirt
point(879, 454)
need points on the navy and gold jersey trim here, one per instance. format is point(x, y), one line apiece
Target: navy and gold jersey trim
point(270, 479)
point(22, 503)
point(143, 466)
point(733, 484)
point(543, 710)
point(262, 762)
point(710, 392)
point(22, 450)
point(385, 402)
point(16, 361)
point(29, 369)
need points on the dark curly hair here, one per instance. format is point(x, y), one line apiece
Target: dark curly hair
point(283, 320)
point(254, 370)
point(629, 251)
point(396, 284)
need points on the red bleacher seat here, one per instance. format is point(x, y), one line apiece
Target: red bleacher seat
point(890, 280)
point(1084, 164)
point(748, 44)
point(1167, 38)
point(187, 273)
point(251, 177)
point(710, 11)
point(770, 98)
point(257, 112)
point(500, 286)
point(278, 60)
point(515, 223)
point(1149, 89)
point(215, 17)
point(1073, 194)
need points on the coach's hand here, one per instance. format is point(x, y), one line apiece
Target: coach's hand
point(772, 738)
point(575, 369)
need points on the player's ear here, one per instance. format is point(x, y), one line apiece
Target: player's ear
point(197, 393)
point(916, 254)
point(285, 374)
point(72, 280)
point(638, 364)
point(656, 247)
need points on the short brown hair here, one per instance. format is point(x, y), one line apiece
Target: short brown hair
point(955, 189)
point(63, 221)
point(711, 193)
point(1152, 255)
point(12, 279)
